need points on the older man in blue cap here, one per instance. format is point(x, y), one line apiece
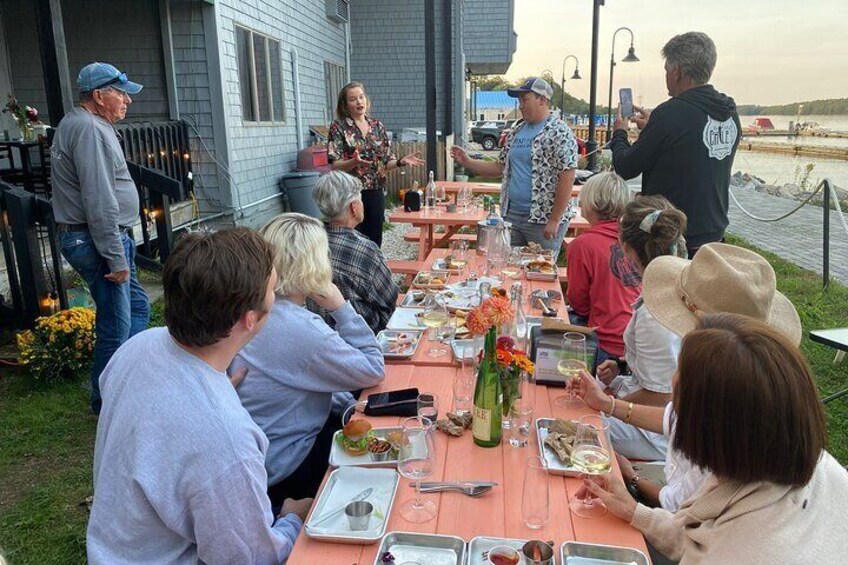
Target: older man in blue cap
point(95, 201)
point(537, 164)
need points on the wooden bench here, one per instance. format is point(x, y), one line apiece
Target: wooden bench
point(414, 234)
point(407, 268)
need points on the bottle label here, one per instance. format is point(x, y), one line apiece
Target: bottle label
point(482, 424)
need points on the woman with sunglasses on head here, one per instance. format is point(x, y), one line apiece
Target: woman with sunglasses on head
point(358, 144)
point(748, 412)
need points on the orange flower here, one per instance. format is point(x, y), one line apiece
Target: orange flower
point(478, 322)
point(504, 357)
point(500, 310)
point(523, 362)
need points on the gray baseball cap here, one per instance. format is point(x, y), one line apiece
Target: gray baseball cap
point(533, 84)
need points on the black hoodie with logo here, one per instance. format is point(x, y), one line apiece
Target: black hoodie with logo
point(685, 153)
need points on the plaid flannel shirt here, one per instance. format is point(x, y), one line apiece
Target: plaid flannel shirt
point(361, 273)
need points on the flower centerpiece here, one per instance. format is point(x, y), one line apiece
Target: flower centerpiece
point(26, 117)
point(59, 346)
point(512, 362)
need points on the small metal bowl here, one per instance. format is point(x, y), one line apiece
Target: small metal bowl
point(545, 551)
point(381, 456)
point(546, 296)
point(359, 515)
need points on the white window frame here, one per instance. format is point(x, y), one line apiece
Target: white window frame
point(252, 76)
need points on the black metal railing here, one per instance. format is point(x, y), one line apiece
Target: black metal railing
point(161, 146)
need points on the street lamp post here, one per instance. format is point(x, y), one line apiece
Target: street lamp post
point(630, 58)
point(562, 86)
point(591, 144)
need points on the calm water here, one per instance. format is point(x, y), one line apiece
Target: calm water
point(778, 169)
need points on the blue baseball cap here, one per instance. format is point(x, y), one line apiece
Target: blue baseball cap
point(533, 84)
point(101, 75)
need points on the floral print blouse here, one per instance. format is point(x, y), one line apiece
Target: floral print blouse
point(345, 138)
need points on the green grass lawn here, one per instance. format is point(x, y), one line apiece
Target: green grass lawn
point(47, 435)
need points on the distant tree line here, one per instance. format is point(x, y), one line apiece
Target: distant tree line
point(830, 107)
point(572, 105)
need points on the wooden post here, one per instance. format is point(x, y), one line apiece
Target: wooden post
point(54, 59)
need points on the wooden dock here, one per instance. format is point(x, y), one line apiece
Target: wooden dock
point(840, 153)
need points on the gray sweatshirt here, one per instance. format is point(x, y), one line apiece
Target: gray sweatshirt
point(179, 472)
point(91, 182)
point(296, 362)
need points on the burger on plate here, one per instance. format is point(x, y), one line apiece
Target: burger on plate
point(354, 437)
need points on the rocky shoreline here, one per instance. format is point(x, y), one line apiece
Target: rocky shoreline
point(792, 191)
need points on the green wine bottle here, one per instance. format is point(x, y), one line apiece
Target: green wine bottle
point(488, 397)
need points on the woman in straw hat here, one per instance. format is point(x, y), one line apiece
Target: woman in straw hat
point(747, 411)
point(677, 292)
point(650, 228)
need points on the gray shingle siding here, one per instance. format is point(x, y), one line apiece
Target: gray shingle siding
point(261, 153)
point(388, 57)
point(488, 34)
point(131, 42)
point(194, 99)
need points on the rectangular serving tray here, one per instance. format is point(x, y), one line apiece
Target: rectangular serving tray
point(555, 466)
point(578, 553)
point(340, 458)
point(341, 486)
point(427, 549)
point(384, 340)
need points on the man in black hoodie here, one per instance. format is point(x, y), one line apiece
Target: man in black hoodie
point(686, 147)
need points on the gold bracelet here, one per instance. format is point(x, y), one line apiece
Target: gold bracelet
point(629, 413)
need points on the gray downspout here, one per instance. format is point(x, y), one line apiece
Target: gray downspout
point(297, 116)
point(347, 50)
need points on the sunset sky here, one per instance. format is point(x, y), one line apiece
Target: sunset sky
point(769, 51)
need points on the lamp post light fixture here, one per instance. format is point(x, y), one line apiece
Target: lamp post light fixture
point(591, 144)
point(575, 76)
point(630, 58)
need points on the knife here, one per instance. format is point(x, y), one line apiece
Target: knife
point(361, 496)
point(426, 485)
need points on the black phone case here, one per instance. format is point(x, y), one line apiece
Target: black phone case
point(405, 405)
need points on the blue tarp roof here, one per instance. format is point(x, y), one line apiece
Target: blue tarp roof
point(491, 99)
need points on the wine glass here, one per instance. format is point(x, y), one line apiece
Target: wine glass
point(416, 459)
point(591, 456)
point(463, 197)
point(428, 406)
point(435, 316)
point(513, 266)
point(572, 360)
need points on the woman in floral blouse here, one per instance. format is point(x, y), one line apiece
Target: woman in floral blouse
point(358, 145)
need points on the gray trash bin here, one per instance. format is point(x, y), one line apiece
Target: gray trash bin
point(299, 188)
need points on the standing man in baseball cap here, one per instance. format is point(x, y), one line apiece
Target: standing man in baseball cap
point(537, 164)
point(95, 202)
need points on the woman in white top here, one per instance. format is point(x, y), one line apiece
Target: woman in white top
point(650, 227)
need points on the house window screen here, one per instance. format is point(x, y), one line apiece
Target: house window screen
point(260, 77)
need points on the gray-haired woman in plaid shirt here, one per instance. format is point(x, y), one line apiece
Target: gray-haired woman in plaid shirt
point(359, 267)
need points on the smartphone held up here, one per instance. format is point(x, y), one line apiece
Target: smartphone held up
point(625, 97)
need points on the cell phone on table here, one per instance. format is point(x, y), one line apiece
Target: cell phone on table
point(393, 403)
point(625, 97)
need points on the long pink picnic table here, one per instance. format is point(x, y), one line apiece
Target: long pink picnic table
point(496, 514)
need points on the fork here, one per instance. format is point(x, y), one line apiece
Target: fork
point(470, 490)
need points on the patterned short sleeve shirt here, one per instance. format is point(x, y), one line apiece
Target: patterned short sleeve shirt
point(554, 150)
point(345, 138)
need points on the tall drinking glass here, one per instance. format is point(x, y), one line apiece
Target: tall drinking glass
point(416, 459)
point(435, 316)
point(572, 360)
point(464, 381)
point(591, 456)
point(535, 505)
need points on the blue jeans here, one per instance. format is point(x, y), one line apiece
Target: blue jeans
point(523, 232)
point(123, 309)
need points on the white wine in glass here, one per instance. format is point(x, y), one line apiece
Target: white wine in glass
point(435, 315)
point(572, 360)
point(591, 456)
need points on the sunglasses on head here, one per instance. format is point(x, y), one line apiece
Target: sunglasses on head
point(120, 79)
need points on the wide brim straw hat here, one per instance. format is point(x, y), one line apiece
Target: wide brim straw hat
point(720, 278)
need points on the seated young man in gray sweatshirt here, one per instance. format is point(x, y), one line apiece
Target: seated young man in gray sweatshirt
point(179, 465)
